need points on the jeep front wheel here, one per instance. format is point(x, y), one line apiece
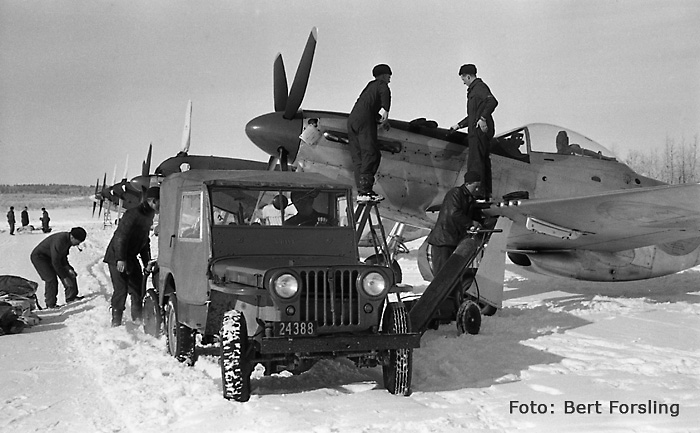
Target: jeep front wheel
point(180, 338)
point(399, 368)
point(235, 365)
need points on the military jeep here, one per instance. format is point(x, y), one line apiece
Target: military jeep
point(266, 265)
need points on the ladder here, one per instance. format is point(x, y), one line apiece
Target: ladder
point(368, 213)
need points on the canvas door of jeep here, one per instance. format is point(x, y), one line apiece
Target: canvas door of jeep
point(190, 256)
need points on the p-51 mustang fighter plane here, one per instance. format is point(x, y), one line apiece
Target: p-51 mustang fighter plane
point(576, 210)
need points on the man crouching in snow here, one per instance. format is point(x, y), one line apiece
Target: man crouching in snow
point(129, 241)
point(50, 258)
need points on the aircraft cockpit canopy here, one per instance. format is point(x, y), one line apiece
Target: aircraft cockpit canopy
point(545, 138)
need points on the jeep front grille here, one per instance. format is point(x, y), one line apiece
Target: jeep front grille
point(330, 298)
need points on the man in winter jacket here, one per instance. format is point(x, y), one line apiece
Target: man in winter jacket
point(25, 217)
point(129, 242)
point(456, 217)
point(11, 219)
point(480, 106)
point(371, 110)
point(45, 220)
point(50, 259)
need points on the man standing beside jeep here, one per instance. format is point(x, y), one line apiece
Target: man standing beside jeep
point(131, 241)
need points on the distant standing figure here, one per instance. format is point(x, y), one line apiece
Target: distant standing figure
point(455, 218)
point(25, 217)
point(11, 219)
point(50, 259)
point(45, 220)
point(371, 110)
point(130, 241)
point(480, 106)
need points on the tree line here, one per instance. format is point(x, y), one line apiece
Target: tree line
point(675, 163)
point(52, 189)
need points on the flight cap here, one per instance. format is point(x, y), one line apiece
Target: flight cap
point(381, 69)
point(79, 233)
point(467, 69)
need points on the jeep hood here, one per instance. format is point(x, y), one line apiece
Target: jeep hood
point(251, 270)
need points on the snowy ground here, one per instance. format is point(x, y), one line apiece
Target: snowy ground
point(556, 344)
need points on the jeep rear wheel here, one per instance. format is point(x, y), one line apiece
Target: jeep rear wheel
point(235, 365)
point(180, 338)
point(152, 317)
point(398, 370)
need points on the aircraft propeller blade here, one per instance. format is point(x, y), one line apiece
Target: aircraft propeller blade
point(279, 84)
point(301, 78)
point(100, 211)
point(284, 165)
point(97, 190)
point(146, 166)
point(186, 131)
point(272, 163)
point(142, 182)
point(126, 166)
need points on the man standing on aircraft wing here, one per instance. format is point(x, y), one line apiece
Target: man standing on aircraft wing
point(480, 106)
point(371, 108)
point(129, 241)
point(454, 221)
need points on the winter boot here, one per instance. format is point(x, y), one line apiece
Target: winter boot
point(116, 318)
point(136, 310)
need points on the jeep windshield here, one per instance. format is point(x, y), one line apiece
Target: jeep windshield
point(288, 207)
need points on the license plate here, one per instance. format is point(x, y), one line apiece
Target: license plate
point(295, 329)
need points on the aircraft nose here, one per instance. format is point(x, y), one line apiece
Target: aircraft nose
point(271, 131)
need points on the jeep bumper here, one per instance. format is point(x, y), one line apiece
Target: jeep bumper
point(339, 343)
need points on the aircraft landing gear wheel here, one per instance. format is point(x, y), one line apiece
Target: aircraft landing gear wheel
point(398, 370)
point(235, 365)
point(469, 318)
point(152, 317)
point(179, 338)
point(379, 260)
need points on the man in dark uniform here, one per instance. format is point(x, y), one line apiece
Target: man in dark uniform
point(371, 108)
point(45, 220)
point(306, 214)
point(480, 106)
point(130, 240)
point(50, 258)
point(25, 217)
point(456, 217)
point(11, 219)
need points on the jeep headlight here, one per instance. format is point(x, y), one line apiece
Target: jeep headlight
point(285, 286)
point(373, 283)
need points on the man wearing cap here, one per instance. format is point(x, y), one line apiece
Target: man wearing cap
point(480, 106)
point(50, 259)
point(371, 110)
point(131, 240)
point(455, 219)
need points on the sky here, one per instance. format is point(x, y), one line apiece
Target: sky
point(83, 84)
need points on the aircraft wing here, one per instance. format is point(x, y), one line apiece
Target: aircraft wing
point(611, 221)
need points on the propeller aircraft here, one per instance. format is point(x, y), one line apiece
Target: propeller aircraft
point(129, 193)
point(576, 210)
